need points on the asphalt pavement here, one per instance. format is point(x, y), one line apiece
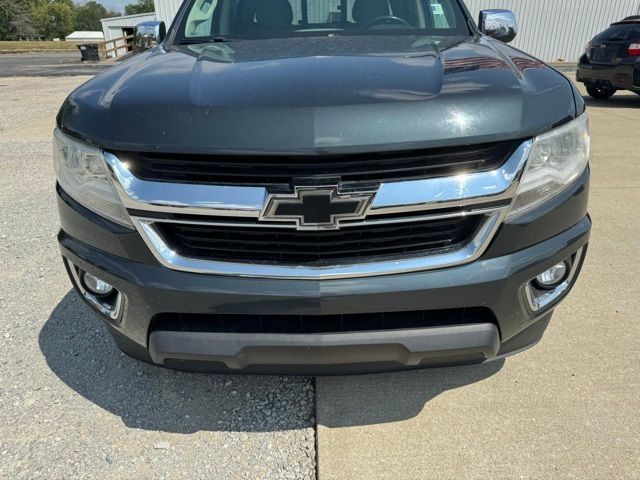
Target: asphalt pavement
point(73, 407)
point(62, 64)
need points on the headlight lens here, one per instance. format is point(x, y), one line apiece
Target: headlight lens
point(557, 158)
point(82, 173)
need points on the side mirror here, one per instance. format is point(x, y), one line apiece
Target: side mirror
point(148, 35)
point(498, 24)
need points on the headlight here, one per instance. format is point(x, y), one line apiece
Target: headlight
point(557, 158)
point(82, 173)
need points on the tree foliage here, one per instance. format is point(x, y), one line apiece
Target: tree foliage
point(88, 16)
point(48, 19)
point(141, 6)
point(15, 20)
point(53, 18)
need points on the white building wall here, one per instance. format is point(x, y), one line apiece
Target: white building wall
point(166, 10)
point(549, 29)
point(113, 27)
point(559, 29)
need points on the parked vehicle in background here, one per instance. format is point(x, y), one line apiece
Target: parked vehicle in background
point(611, 61)
point(287, 186)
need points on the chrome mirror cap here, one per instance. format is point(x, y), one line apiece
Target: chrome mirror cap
point(499, 24)
point(148, 35)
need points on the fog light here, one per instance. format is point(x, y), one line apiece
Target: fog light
point(553, 277)
point(95, 285)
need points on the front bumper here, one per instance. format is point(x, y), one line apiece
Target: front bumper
point(496, 283)
point(620, 77)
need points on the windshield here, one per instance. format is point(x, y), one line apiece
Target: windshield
point(625, 31)
point(217, 20)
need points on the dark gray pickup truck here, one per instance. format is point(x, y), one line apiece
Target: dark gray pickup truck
point(328, 186)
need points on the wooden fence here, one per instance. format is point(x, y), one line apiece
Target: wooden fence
point(115, 47)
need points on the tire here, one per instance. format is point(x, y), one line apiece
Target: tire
point(599, 92)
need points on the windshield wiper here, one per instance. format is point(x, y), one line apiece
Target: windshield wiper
point(214, 39)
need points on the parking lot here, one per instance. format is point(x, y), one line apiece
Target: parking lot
point(72, 406)
point(62, 64)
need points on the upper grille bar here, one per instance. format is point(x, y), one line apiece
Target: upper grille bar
point(267, 170)
point(249, 201)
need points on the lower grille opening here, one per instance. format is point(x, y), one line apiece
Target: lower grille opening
point(318, 248)
point(300, 324)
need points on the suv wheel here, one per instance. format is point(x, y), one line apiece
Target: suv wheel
point(600, 92)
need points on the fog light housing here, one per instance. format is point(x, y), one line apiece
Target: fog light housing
point(548, 288)
point(96, 286)
point(102, 296)
point(549, 279)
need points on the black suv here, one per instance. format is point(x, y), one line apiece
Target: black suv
point(324, 187)
point(611, 61)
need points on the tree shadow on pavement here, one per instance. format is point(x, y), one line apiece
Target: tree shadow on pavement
point(79, 350)
point(385, 398)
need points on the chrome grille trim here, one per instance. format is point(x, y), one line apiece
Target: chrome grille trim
point(488, 193)
point(358, 223)
point(216, 200)
point(443, 192)
point(171, 259)
point(391, 197)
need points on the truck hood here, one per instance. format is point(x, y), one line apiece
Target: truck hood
point(311, 95)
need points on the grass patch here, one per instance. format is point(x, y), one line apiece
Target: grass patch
point(30, 47)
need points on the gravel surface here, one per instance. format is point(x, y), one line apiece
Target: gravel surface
point(71, 405)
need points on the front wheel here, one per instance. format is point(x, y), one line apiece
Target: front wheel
point(600, 92)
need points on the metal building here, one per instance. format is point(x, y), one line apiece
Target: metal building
point(555, 30)
point(549, 29)
point(119, 27)
point(166, 10)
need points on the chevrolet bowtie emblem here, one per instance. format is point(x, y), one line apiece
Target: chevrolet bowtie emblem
point(316, 208)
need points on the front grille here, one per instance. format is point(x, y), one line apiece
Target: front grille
point(278, 169)
point(317, 248)
point(300, 324)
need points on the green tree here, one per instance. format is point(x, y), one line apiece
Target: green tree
point(141, 6)
point(53, 18)
point(88, 16)
point(15, 20)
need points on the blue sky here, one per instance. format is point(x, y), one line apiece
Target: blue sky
point(111, 4)
point(115, 4)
